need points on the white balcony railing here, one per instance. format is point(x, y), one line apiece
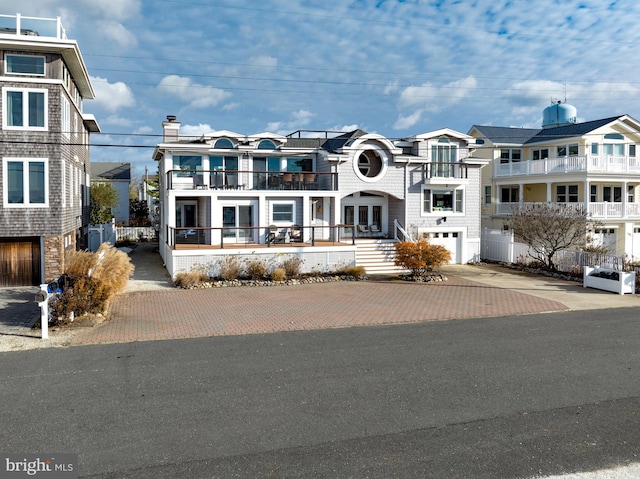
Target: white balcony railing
point(601, 210)
point(32, 26)
point(570, 164)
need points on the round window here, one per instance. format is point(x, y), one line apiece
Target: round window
point(369, 163)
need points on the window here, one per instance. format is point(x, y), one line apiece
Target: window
point(510, 155)
point(631, 190)
point(443, 154)
point(282, 213)
point(188, 163)
point(573, 150)
point(593, 195)
point(509, 194)
point(26, 182)
point(223, 143)
point(66, 117)
point(632, 151)
point(24, 108)
point(299, 164)
point(436, 201)
point(487, 195)
point(612, 194)
point(24, 64)
point(266, 145)
point(369, 163)
point(541, 154)
point(567, 193)
point(594, 148)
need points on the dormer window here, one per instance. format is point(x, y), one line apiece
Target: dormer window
point(223, 144)
point(24, 64)
point(266, 145)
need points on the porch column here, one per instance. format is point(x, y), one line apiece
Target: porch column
point(521, 194)
point(587, 195)
point(624, 200)
point(549, 197)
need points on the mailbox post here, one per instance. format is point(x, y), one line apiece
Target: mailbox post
point(42, 298)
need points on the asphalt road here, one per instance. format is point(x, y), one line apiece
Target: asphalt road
point(482, 398)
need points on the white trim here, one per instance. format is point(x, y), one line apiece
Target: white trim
point(384, 158)
point(25, 108)
point(44, 64)
point(25, 183)
point(280, 222)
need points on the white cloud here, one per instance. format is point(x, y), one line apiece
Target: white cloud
point(404, 122)
point(195, 130)
point(352, 127)
point(118, 34)
point(434, 98)
point(197, 96)
point(299, 119)
point(112, 96)
point(264, 61)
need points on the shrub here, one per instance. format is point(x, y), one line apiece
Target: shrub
point(292, 266)
point(278, 274)
point(357, 272)
point(95, 277)
point(420, 256)
point(189, 279)
point(256, 269)
point(230, 268)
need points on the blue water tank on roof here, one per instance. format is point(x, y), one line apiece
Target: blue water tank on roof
point(559, 114)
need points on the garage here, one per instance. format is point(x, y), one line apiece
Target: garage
point(20, 263)
point(452, 240)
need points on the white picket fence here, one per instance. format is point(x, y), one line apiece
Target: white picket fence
point(498, 245)
point(135, 233)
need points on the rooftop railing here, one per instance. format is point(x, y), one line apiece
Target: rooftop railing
point(32, 26)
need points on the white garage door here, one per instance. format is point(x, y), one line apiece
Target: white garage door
point(450, 240)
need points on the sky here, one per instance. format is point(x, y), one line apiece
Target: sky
point(394, 67)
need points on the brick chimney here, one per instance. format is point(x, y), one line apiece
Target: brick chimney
point(171, 129)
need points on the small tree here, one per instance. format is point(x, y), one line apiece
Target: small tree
point(103, 197)
point(138, 213)
point(420, 256)
point(548, 228)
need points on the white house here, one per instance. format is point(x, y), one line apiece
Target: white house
point(322, 196)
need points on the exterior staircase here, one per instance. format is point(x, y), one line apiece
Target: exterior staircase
point(377, 256)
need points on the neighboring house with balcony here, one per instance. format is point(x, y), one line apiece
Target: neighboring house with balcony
point(594, 164)
point(318, 195)
point(117, 175)
point(45, 149)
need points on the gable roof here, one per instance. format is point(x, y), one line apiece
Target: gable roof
point(106, 170)
point(334, 144)
point(570, 131)
point(505, 135)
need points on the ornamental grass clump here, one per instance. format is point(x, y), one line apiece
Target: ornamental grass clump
point(94, 279)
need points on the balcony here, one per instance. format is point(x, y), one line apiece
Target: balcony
point(438, 172)
point(601, 210)
point(250, 180)
point(259, 236)
point(32, 26)
point(570, 164)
